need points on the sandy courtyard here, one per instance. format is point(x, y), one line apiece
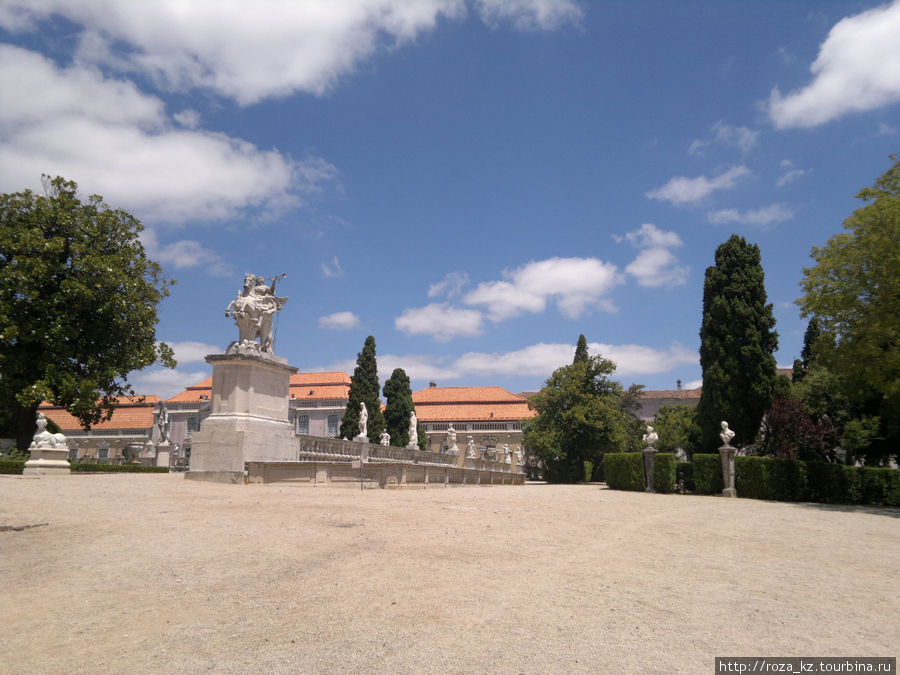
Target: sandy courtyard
point(154, 573)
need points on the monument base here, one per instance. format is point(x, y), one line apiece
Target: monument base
point(46, 463)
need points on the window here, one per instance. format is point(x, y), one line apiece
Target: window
point(103, 453)
point(192, 425)
point(333, 426)
point(303, 424)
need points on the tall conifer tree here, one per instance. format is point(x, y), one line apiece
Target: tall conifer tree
point(737, 345)
point(581, 350)
point(364, 388)
point(398, 394)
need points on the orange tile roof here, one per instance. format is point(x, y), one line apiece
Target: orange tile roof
point(304, 386)
point(436, 404)
point(128, 415)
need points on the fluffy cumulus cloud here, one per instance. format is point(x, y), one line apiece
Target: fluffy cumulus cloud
point(450, 286)
point(192, 352)
point(440, 320)
point(857, 69)
point(655, 264)
point(775, 213)
point(339, 321)
point(682, 190)
point(742, 138)
point(575, 284)
point(114, 140)
point(279, 48)
point(164, 382)
point(185, 253)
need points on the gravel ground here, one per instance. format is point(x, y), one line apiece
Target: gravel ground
point(149, 573)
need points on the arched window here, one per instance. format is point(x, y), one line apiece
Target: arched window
point(303, 424)
point(332, 426)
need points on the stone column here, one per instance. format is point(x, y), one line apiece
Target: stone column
point(163, 453)
point(727, 452)
point(649, 454)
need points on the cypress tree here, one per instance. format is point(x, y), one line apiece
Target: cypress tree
point(581, 351)
point(737, 345)
point(398, 394)
point(364, 388)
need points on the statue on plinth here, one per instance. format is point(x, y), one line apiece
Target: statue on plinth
point(43, 439)
point(520, 455)
point(726, 435)
point(470, 448)
point(253, 311)
point(508, 453)
point(363, 420)
point(452, 448)
point(413, 431)
point(385, 437)
point(162, 423)
point(650, 437)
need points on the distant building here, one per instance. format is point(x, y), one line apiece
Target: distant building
point(317, 405)
point(492, 416)
point(652, 400)
point(133, 421)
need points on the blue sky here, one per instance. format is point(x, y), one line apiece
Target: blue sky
point(473, 183)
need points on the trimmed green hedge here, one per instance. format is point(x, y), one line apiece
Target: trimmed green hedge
point(91, 467)
point(664, 472)
point(708, 474)
point(624, 471)
point(12, 466)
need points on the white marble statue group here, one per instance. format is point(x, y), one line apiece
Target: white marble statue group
point(254, 311)
point(44, 439)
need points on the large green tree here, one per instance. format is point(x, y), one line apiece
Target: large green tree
point(737, 345)
point(677, 428)
point(853, 290)
point(78, 305)
point(398, 394)
point(579, 419)
point(364, 388)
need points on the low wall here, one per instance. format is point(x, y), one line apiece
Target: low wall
point(330, 461)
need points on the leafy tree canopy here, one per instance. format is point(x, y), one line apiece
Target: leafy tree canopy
point(853, 290)
point(737, 345)
point(364, 388)
point(78, 305)
point(579, 419)
point(677, 428)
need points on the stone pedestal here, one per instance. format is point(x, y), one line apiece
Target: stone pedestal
point(163, 453)
point(249, 417)
point(727, 452)
point(47, 461)
point(649, 454)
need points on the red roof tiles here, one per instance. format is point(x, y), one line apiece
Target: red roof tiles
point(443, 404)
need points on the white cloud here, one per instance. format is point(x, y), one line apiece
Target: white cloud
point(185, 253)
point(530, 15)
point(886, 130)
point(540, 359)
point(116, 141)
point(576, 284)
point(273, 49)
point(742, 138)
point(857, 69)
point(693, 384)
point(332, 269)
point(189, 118)
point(339, 321)
point(684, 190)
point(439, 320)
point(655, 265)
point(790, 176)
point(193, 352)
point(450, 286)
point(775, 213)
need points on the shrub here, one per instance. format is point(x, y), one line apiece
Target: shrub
point(90, 467)
point(684, 475)
point(708, 474)
point(664, 472)
point(878, 484)
point(753, 477)
point(833, 483)
point(12, 466)
point(789, 480)
point(624, 471)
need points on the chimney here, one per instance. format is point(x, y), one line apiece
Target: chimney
point(678, 383)
point(432, 384)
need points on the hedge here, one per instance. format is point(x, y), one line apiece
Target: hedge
point(664, 472)
point(12, 466)
point(91, 467)
point(684, 474)
point(708, 474)
point(624, 471)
